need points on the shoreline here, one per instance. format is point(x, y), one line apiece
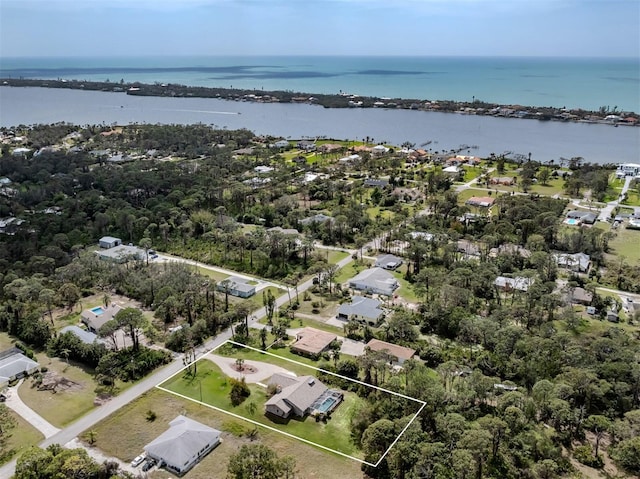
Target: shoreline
point(343, 100)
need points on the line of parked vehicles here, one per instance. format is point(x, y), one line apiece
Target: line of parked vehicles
point(148, 462)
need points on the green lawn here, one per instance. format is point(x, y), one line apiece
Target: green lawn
point(626, 244)
point(215, 275)
point(350, 270)
point(554, 187)
point(212, 387)
point(464, 195)
point(374, 211)
point(21, 437)
point(312, 462)
point(336, 256)
point(406, 290)
point(65, 406)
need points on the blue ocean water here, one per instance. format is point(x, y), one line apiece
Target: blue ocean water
point(588, 83)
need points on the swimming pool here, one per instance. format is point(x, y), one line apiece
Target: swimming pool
point(97, 310)
point(327, 404)
point(572, 221)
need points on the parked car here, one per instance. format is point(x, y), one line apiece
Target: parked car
point(3, 398)
point(138, 460)
point(148, 465)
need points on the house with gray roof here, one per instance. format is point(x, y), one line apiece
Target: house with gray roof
point(376, 183)
point(95, 318)
point(578, 262)
point(388, 261)
point(298, 396)
point(361, 309)
point(121, 254)
point(87, 337)
point(107, 242)
point(375, 281)
point(318, 218)
point(183, 445)
point(518, 283)
point(15, 365)
point(235, 286)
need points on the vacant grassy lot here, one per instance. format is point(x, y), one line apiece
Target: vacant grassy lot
point(336, 256)
point(626, 244)
point(553, 187)
point(311, 461)
point(406, 290)
point(22, 436)
point(65, 406)
point(285, 358)
point(211, 386)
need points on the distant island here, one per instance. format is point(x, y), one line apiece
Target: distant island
point(604, 115)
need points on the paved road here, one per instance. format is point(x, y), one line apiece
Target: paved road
point(41, 424)
point(86, 422)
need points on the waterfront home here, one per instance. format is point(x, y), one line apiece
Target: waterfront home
point(183, 445)
point(628, 169)
point(306, 145)
point(281, 144)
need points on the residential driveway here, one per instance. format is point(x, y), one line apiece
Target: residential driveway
point(351, 347)
point(101, 457)
point(263, 371)
point(14, 402)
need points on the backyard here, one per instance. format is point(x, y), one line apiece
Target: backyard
point(212, 386)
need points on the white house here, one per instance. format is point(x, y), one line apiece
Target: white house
point(184, 444)
point(107, 242)
point(15, 365)
point(374, 280)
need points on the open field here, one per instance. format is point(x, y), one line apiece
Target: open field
point(311, 462)
point(350, 270)
point(211, 386)
point(336, 256)
point(283, 357)
point(406, 290)
point(22, 436)
point(555, 186)
point(626, 244)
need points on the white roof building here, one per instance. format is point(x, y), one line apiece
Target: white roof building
point(181, 446)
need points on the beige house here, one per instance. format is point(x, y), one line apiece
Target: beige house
point(399, 353)
point(312, 342)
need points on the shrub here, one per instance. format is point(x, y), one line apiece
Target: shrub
point(239, 391)
point(584, 455)
point(151, 415)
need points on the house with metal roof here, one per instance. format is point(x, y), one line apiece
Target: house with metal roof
point(183, 445)
point(361, 309)
point(374, 280)
point(15, 365)
point(107, 242)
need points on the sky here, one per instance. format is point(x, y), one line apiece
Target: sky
point(113, 28)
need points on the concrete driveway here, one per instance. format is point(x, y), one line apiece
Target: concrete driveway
point(263, 371)
point(41, 424)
